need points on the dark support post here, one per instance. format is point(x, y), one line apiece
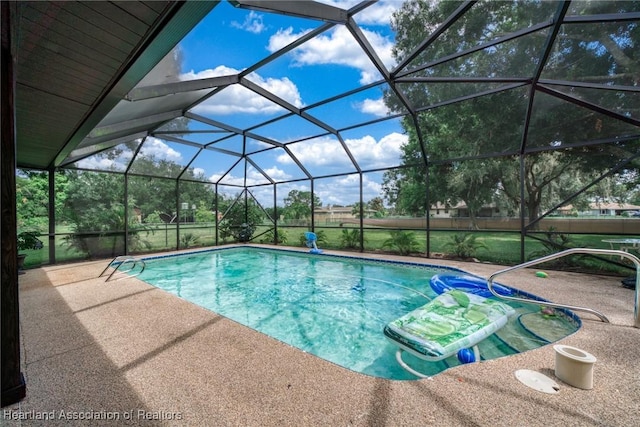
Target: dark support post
point(217, 211)
point(361, 215)
point(275, 214)
point(52, 216)
point(427, 221)
point(179, 214)
point(313, 209)
point(126, 214)
point(13, 384)
point(523, 210)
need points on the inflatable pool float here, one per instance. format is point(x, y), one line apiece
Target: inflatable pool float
point(441, 283)
point(451, 322)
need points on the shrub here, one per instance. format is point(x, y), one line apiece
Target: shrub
point(350, 239)
point(555, 242)
point(404, 242)
point(269, 237)
point(187, 240)
point(464, 245)
point(29, 240)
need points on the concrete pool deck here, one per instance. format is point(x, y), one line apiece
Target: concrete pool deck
point(124, 349)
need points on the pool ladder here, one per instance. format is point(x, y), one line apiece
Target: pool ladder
point(120, 261)
point(623, 254)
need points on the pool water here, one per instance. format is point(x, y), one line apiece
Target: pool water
point(330, 306)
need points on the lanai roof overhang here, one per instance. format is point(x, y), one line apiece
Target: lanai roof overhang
point(74, 61)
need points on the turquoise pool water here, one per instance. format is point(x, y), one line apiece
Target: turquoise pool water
point(330, 306)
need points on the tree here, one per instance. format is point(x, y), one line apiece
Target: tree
point(204, 212)
point(157, 190)
point(32, 198)
point(377, 204)
point(95, 210)
point(297, 204)
point(471, 145)
point(241, 216)
point(355, 210)
point(95, 205)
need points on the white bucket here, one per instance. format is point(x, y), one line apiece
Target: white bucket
point(574, 366)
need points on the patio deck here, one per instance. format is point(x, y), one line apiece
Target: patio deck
point(125, 349)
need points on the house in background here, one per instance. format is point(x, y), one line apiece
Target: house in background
point(611, 209)
point(460, 210)
point(330, 213)
point(602, 209)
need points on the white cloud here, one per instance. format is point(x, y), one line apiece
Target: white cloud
point(345, 190)
point(215, 177)
point(277, 174)
point(254, 177)
point(252, 23)
point(102, 163)
point(378, 13)
point(372, 154)
point(157, 149)
point(337, 47)
point(324, 151)
point(228, 179)
point(377, 107)
point(236, 99)
point(284, 37)
point(327, 152)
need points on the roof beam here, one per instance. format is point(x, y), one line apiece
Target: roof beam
point(156, 91)
point(91, 149)
point(100, 133)
point(301, 9)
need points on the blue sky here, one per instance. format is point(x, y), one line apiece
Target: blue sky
point(231, 39)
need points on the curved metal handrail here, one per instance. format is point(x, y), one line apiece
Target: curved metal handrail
point(623, 254)
point(119, 257)
point(123, 260)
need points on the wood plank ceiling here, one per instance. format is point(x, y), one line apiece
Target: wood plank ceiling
point(75, 60)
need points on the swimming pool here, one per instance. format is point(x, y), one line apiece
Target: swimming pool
point(334, 307)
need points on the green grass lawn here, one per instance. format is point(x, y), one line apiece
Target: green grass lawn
point(497, 247)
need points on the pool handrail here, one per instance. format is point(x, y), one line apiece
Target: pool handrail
point(123, 259)
point(623, 254)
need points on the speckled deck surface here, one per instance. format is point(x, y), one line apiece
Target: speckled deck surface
point(126, 353)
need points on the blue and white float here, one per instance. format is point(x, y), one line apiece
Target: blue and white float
point(441, 283)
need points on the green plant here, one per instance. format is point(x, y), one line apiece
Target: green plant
point(153, 218)
point(269, 237)
point(350, 239)
point(465, 245)
point(187, 240)
point(29, 240)
point(239, 233)
point(554, 242)
point(321, 238)
point(98, 230)
point(404, 242)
